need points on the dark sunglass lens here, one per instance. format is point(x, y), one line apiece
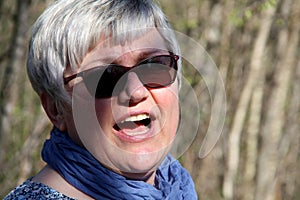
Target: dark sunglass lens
point(91, 79)
point(101, 83)
point(157, 72)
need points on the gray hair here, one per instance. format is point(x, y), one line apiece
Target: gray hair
point(69, 29)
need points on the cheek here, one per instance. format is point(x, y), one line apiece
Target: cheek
point(167, 100)
point(167, 95)
point(104, 112)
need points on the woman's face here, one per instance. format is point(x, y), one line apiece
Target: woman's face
point(132, 131)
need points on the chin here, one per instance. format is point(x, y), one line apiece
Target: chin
point(142, 162)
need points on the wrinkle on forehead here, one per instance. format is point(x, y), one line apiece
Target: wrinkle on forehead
point(149, 44)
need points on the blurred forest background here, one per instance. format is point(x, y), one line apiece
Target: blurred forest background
point(255, 45)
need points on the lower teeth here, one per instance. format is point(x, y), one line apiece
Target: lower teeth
point(130, 128)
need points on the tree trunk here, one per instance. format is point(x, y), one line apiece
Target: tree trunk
point(275, 117)
point(242, 107)
point(14, 72)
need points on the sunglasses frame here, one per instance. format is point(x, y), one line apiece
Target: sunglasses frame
point(127, 69)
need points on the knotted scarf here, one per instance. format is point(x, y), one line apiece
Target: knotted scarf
point(78, 167)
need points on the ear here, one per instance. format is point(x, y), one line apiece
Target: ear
point(54, 114)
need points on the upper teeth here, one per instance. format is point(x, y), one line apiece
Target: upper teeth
point(136, 118)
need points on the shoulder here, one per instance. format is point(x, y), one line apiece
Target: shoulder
point(33, 190)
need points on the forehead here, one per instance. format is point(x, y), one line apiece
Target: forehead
point(107, 51)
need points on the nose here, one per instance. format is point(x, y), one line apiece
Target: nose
point(134, 91)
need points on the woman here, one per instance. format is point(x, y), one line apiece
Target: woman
point(107, 74)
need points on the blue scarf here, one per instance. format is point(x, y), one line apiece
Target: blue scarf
point(77, 166)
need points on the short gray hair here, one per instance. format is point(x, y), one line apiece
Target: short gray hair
point(68, 29)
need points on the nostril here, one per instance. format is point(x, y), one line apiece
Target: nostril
point(135, 101)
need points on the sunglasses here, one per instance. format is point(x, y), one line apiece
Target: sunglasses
point(109, 80)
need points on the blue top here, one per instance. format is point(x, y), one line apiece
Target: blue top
point(33, 190)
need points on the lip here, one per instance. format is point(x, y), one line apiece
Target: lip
point(136, 138)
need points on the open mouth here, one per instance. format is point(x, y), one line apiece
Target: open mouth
point(134, 125)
